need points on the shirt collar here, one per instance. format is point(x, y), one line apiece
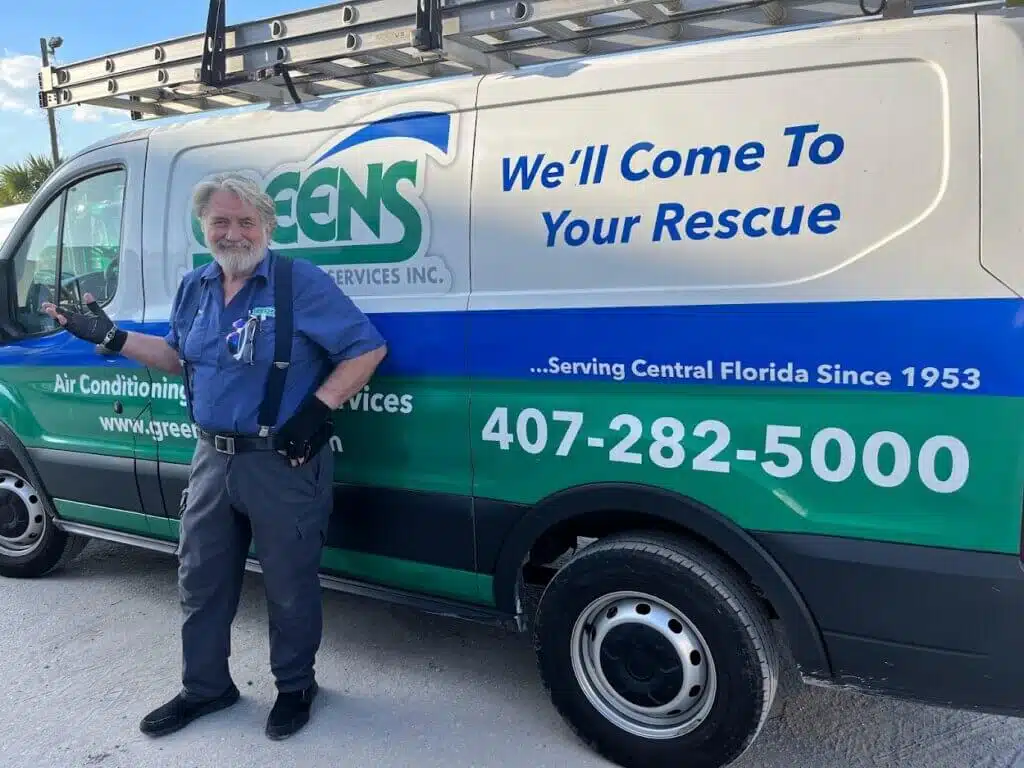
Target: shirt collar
point(212, 271)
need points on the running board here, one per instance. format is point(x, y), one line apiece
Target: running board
point(431, 605)
point(118, 537)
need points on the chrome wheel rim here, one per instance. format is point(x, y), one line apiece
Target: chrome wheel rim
point(643, 665)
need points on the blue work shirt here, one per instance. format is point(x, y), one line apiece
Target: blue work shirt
point(226, 393)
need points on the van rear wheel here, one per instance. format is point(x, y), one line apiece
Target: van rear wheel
point(655, 652)
point(30, 544)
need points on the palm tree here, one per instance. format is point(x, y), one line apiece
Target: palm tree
point(19, 181)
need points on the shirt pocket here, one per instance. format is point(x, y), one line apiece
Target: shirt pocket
point(199, 345)
point(266, 338)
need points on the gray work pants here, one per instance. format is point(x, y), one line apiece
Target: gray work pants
point(234, 500)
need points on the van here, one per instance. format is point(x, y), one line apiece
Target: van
point(692, 350)
point(8, 215)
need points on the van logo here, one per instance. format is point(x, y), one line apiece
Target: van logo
point(357, 200)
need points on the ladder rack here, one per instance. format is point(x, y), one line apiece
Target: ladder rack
point(346, 46)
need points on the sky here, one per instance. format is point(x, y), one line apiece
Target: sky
point(89, 29)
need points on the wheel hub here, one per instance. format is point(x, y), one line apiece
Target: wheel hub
point(643, 665)
point(13, 515)
point(22, 517)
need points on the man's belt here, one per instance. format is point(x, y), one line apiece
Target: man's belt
point(231, 444)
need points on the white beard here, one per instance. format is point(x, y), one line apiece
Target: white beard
point(236, 258)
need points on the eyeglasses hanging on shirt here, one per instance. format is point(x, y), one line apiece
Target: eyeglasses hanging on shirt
point(241, 339)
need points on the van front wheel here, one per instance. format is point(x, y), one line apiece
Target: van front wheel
point(30, 544)
point(656, 653)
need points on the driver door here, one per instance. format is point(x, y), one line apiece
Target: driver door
point(80, 414)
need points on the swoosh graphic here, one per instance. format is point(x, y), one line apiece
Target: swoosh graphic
point(429, 127)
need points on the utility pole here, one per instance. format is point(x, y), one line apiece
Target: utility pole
point(46, 49)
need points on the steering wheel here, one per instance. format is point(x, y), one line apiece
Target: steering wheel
point(110, 274)
point(67, 295)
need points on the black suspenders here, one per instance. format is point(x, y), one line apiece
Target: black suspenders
point(283, 306)
point(274, 388)
point(186, 373)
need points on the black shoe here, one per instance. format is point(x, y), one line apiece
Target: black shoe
point(179, 712)
point(290, 712)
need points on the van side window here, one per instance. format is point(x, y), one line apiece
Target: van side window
point(79, 234)
point(91, 237)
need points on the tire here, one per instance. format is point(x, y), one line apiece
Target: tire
point(654, 599)
point(30, 544)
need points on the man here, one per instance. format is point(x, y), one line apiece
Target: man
point(276, 488)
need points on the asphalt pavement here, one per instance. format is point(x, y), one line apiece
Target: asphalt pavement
point(88, 651)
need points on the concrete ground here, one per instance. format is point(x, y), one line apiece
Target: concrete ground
point(89, 650)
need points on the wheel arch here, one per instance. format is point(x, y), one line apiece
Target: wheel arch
point(604, 508)
point(9, 441)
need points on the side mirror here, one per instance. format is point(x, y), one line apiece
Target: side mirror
point(9, 331)
point(18, 322)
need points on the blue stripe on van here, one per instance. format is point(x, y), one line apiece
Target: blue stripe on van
point(983, 334)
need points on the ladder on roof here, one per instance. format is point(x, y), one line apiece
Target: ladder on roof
point(343, 46)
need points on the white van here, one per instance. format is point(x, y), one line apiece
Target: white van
point(8, 215)
point(684, 342)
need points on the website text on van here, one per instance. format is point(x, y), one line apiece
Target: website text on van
point(692, 331)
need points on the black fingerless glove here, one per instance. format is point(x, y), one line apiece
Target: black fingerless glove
point(95, 327)
point(306, 432)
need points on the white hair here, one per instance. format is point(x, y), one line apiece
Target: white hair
point(240, 185)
